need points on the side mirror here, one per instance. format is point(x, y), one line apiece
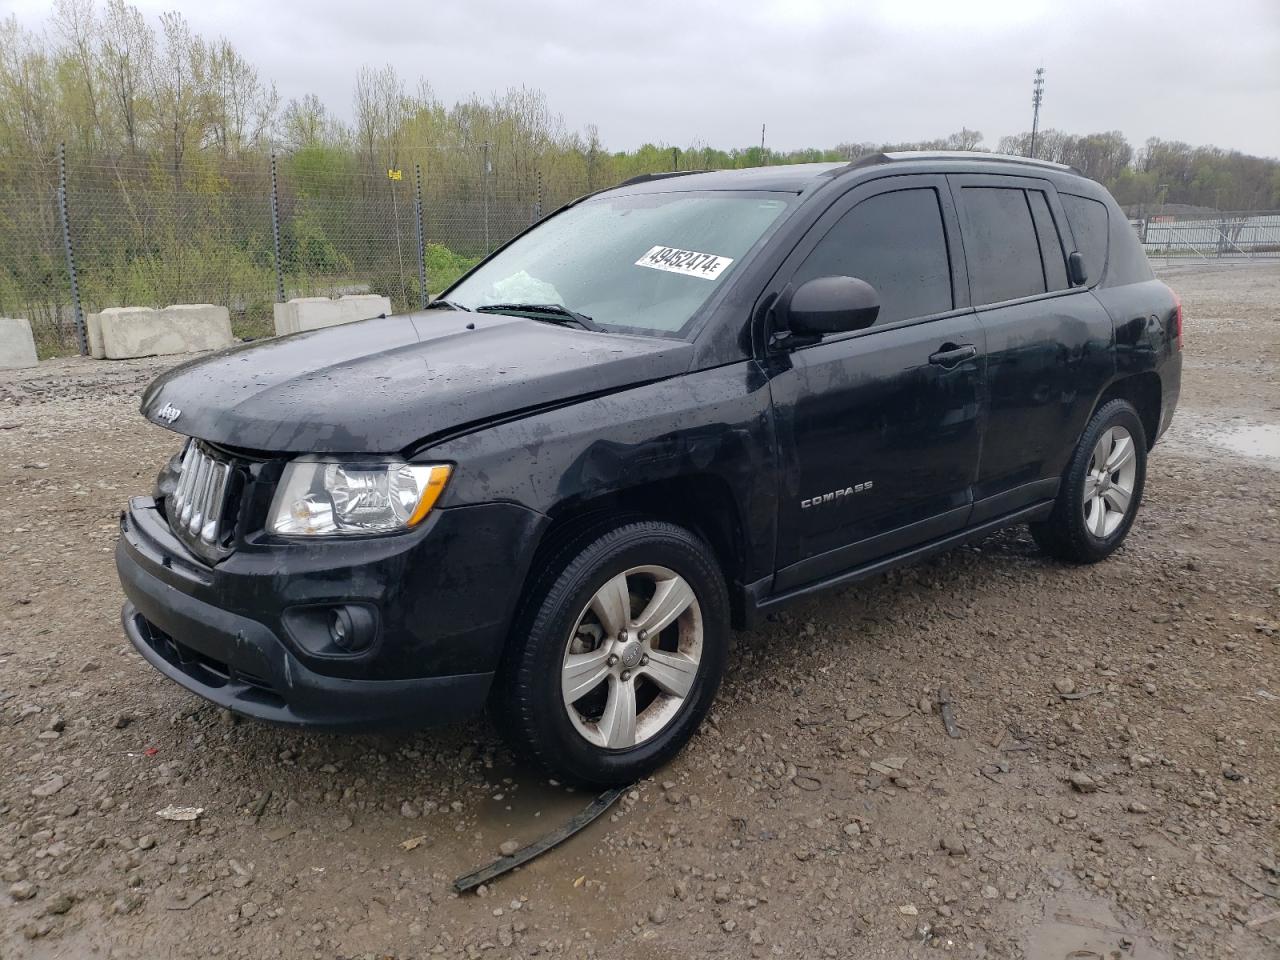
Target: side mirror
point(1076, 269)
point(831, 305)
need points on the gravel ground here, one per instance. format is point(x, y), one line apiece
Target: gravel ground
point(1113, 790)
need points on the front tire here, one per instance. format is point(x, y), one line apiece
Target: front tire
point(1101, 489)
point(617, 653)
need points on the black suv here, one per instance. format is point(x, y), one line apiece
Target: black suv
point(660, 412)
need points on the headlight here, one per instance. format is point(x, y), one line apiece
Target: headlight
point(325, 498)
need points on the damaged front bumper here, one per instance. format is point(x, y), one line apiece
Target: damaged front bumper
point(243, 633)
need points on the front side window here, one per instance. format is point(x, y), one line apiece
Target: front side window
point(643, 263)
point(1000, 244)
point(895, 242)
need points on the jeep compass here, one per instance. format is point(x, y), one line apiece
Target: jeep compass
point(667, 408)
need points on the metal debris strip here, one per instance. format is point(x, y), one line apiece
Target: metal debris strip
point(540, 846)
point(1081, 695)
point(992, 769)
point(190, 901)
point(948, 714)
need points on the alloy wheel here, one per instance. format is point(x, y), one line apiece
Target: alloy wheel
point(632, 657)
point(1108, 483)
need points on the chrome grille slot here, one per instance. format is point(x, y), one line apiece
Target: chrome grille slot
point(200, 496)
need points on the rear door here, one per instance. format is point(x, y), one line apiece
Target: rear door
point(878, 429)
point(1049, 349)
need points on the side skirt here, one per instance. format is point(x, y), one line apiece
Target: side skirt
point(758, 598)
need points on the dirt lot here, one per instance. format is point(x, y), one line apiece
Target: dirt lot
point(823, 811)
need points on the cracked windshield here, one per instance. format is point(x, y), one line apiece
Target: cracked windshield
point(645, 262)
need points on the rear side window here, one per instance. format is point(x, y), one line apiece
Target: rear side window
point(1000, 244)
point(895, 242)
point(1055, 262)
point(1088, 219)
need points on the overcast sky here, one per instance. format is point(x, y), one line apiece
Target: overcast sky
point(818, 72)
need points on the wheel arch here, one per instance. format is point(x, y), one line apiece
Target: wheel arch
point(1143, 390)
point(702, 503)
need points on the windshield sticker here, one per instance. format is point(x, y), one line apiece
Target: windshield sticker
point(706, 266)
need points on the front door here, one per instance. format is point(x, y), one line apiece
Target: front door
point(879, 429)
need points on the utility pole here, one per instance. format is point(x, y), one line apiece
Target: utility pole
point(762, 138)
point(1037, 97)
point(675, 158)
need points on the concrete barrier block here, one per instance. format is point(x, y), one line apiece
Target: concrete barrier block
point(312, 313)
point(286, 314)
point(93, 333)
point(201, 326)
point(112, 317)
point(280, 315)
point(126, 332)
point(17, 346)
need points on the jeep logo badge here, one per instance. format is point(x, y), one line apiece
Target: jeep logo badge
point(168, 413)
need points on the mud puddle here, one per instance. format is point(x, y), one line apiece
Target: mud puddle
point(1255, 440)
point(1076, 927)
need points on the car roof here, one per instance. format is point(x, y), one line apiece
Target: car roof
point(803, 177)
point(787, 177)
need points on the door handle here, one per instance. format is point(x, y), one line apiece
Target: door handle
point(951, 354)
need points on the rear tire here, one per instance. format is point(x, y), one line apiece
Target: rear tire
point(616, 653)
point(1101, 489)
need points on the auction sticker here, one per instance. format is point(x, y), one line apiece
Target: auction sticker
point(706, 266)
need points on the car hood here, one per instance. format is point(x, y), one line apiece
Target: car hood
point(383, 385)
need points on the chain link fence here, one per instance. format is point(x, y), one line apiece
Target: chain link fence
point(79, 234)
point(34, 278)
point(91, 233)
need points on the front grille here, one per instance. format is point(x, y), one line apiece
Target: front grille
point(199, 500)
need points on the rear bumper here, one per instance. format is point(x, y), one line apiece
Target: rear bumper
point(1170, 390)
point(241, 633)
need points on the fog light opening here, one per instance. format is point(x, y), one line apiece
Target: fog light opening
point(351, 628)
point(341, 628)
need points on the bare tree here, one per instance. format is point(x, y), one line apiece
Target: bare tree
point(128, 49)
point(177, 77)
point(965, 139)
point(29, 115)
point(75, 22)
point(243, 109)
point(305, 123)
point(381, 110)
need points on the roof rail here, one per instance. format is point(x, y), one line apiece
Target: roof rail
point(646, 177)
point(897, 156)
point(976, 155)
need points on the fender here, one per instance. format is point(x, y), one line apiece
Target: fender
point(716, 423)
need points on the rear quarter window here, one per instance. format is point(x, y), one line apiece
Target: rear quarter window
point(1126, 259)
point(1088, 219)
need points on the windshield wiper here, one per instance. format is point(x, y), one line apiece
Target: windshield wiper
point(546, 312)
point(451, 304)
